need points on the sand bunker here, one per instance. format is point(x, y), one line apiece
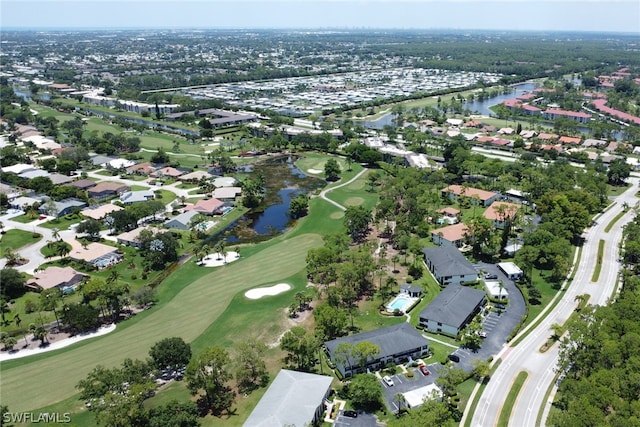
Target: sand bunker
point(216, 259)
point(314, 171)
point(58, 344)
point(256, 293)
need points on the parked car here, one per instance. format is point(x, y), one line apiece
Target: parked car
point(454, 358)
point(349, 413)
point(424, 370)
point(482, 334)
point(500, 306)
point(490, 276)
point(387, 380)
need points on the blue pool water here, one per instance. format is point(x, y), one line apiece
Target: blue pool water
point(400, 303)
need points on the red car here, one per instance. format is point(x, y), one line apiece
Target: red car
point(424, 370)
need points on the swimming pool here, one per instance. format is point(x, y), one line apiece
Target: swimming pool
point(401, 303)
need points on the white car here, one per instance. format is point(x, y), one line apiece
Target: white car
point(387, 380)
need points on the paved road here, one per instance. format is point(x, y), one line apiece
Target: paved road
point(525, 356)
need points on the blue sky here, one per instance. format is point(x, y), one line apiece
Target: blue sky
point(544, 15)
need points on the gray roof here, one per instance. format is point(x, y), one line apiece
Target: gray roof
point(291, 400)
point(391, 340)
point(181, 220)
point(58, 178)
point(448, 261)
point(411, 288)
point(100, 160)
point(453, 305)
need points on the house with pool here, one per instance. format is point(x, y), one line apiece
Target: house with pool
point(453, 308)
point(398, 344)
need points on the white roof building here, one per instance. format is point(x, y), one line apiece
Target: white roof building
point(417, 397)
point(495, 290)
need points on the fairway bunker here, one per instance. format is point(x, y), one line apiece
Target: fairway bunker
point(257, 293)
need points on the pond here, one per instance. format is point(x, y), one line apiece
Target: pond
point(476, 107)
point(283, 182)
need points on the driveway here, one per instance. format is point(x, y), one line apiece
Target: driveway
point(362, 420)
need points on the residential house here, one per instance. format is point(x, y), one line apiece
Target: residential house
point(499, 213)
point(195, 176)
point(129, 197)
point(82, 184)
point(23, 202)
point(227, 194)
point(167, 172)
point(182, 221)
point(452, 309)
point(449, 266)
point(454, 235)
point(96, 254)
point(100, 212)
point(59, 179)
point(62, 207)
point(207, 207)
point(454, 191)
point(105, 190)
point(64, 278)
point(132, 238)
point(450, 215)
point(397, 343)
point(145, 168)
point(293, 399)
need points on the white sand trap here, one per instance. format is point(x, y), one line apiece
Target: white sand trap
point(56, 345)
point(256, 293)
point(314, 171)
point(216, 260)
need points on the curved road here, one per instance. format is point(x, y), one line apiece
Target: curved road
point(526, 355)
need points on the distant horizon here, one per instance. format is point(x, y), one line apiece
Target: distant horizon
point(572, 16)
point(311, 29)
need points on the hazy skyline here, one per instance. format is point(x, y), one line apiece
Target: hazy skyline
point(525, 15)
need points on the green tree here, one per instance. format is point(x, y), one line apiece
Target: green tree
point(449, 379)
point(300, 347)
point(331, 322)
point(174, 414)
point(365, 392)
point(12, 283)
point(80, 317)
point(332, 170)
point(207, 376)
point(619, 170)
point(171, 353)
point(251, 370)
point(356, 221)
point(50, 299)
point(299, 206)
point(91, 227)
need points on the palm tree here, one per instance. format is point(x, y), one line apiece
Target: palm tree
point(55, 233)
point(399, 399)
point(114, 275)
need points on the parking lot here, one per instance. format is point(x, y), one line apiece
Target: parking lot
point(497, 324)
point(362, 420)
point(402, 384)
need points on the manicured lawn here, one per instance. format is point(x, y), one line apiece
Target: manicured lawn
point(24, 219)
point(203, 306)
point(203, 296)
point(505, 415)
point(15, 239)
point(63, 222)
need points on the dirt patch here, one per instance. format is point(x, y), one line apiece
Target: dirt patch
point(337, 215)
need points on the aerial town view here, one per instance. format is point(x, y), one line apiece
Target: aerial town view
point(271, 213)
